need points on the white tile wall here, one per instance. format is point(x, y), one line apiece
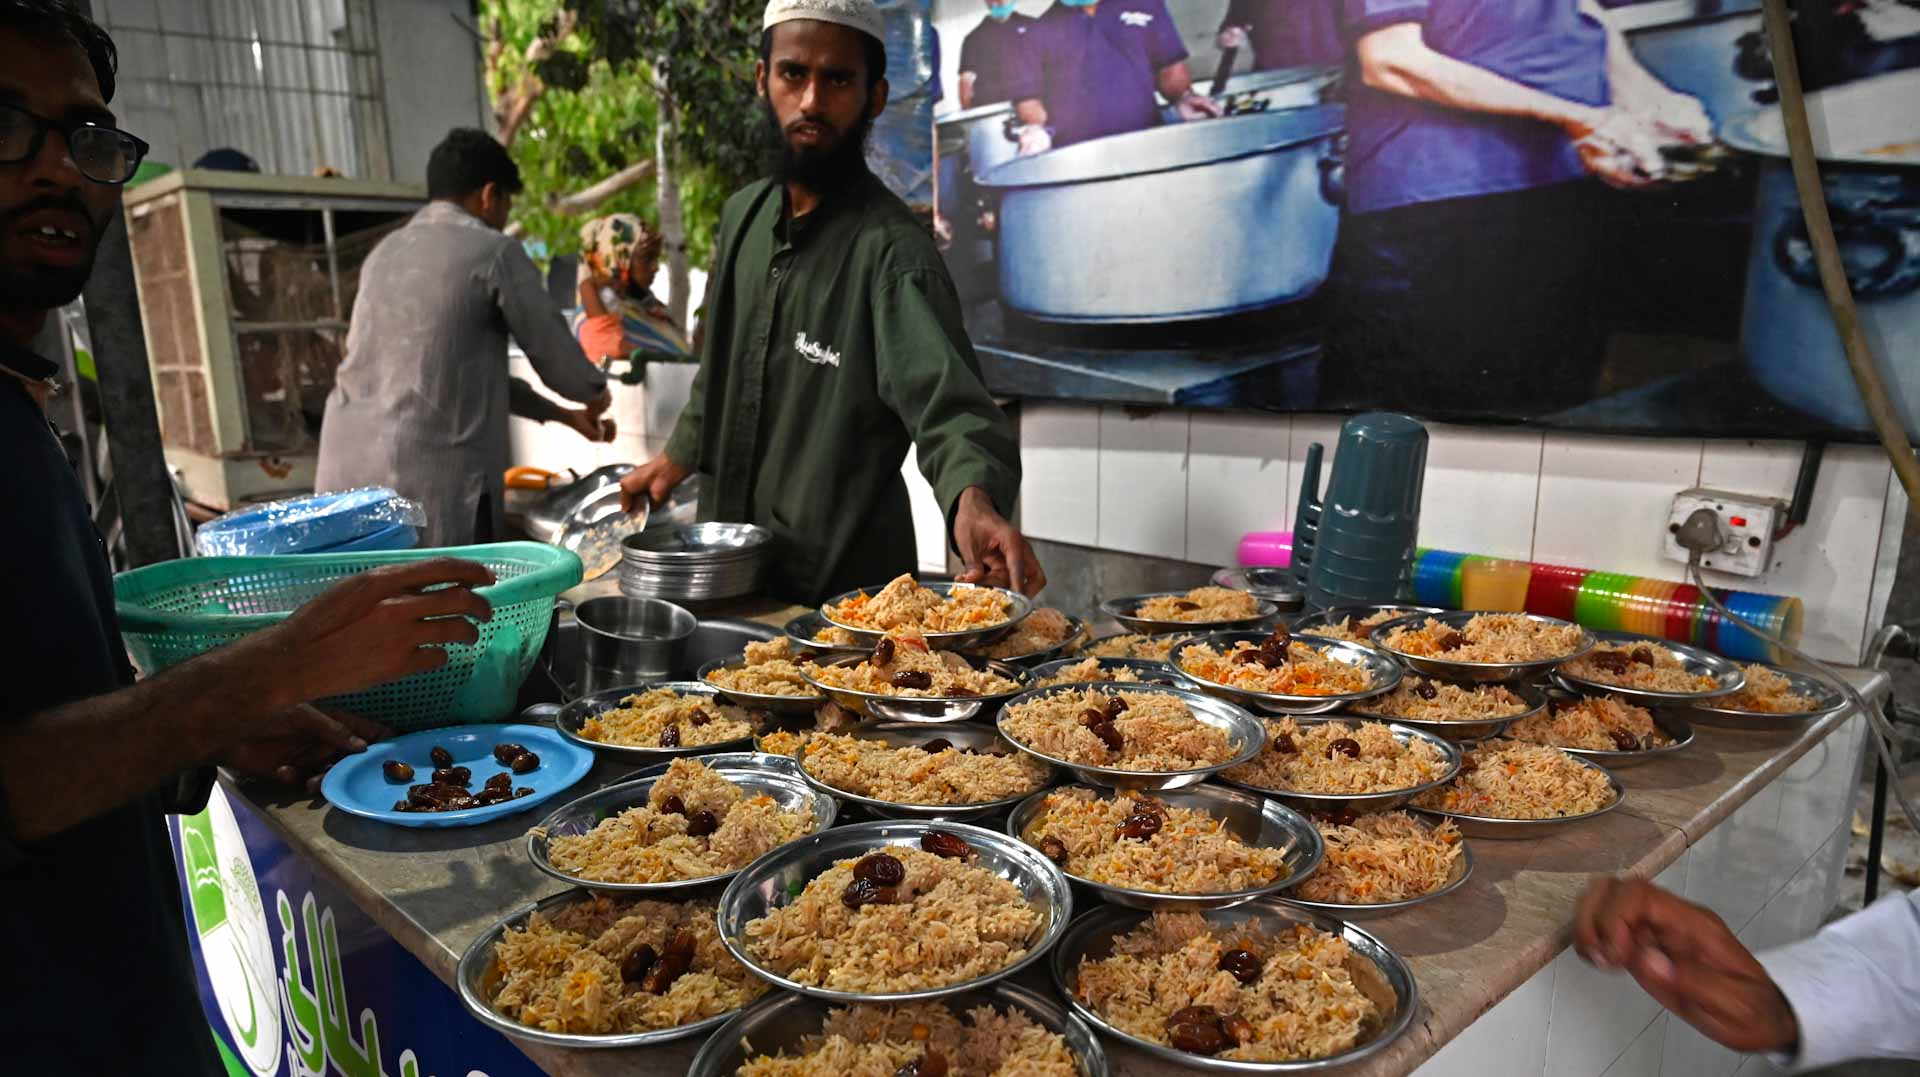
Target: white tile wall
point(1643, 1057)
point(1236, 481)
point(1143, 482)
point(1060, 467)
point(1514, 1032)
point(1687, 1053)
point(1735, 868)
point(1575, 499)
point(1599, 1013)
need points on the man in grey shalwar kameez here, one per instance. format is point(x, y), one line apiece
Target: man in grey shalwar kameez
point(421, 402)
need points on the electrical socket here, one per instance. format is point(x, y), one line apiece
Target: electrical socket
point(1748, 520)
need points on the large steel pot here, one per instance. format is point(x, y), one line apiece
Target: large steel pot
point(1275, 89)
point(1867, 136)
point(1173, 223)
point(988, 132)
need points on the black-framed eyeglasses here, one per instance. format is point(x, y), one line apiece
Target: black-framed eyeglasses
point(103, 154)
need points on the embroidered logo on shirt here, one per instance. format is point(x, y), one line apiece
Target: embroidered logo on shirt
point(1136, 18)
point(813, 352)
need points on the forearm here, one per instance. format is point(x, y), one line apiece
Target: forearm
point(590, 299)
point(526, 402)
point(1174, 81)
point(966, 89)
point(64, 766)
point(1396, 61)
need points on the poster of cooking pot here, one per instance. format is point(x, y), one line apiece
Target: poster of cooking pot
point(1579, 213)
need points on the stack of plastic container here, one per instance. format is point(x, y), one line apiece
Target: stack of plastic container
point(351, 521)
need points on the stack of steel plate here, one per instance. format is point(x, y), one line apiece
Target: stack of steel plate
point(696, 562)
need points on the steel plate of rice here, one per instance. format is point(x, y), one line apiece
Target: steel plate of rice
point(1507, 779)
point(1133, 645)
point(1041, 630)
point(923, 1038)
point(1380, 858)
point(1150, 732)
point(1645, 666)
point(1425, 700)
point(912, 775)
point(945, 921)
point(696, 824)
point(1353, 630)
point(769, 670)
point(1135, 842)
point(1246, 995)
point(568, 971)
point(1089, 672)
point(902, 665)
point(1489, 637)
point(1257, 667)
point(641, 721)
point(1338, 759)
point(1766, 692)
point(1594, 723)
point(904, 604)
point(1202, 605)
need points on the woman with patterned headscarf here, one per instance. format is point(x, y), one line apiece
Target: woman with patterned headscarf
point(619, 315)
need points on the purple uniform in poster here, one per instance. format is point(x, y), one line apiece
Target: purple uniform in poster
point(1404, 151)
point(1094, 67)
point(989, 51)
point(1289, 33)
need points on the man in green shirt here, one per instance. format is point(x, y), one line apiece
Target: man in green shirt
point(833, 342)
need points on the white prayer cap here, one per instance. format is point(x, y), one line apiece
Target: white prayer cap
point(860, 15)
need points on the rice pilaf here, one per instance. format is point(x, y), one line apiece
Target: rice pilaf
point(769, 669)
point(948, 922)
point(902, 603)
point(901, 661)
point(640, 721)
point(1593, 723)
point(1187, 852)
point(1133, 645)
point(1154, 731)
point(1305, 672)
point(1202, 605)
point(1302, 1004)
point(653, 843)
point(1089, 672)
point(1350, 630)
point(912, 775)
point(1425, 700)
point(1508, 779)
point(1380, 858)
point(562, 971)
point(1487, 637)
point(1041, 630)
point(1646, 666)
point(884, 1041)
point(1766, 692)
point(1339, 759)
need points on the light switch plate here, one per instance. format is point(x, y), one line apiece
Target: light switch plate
point(1749, 522)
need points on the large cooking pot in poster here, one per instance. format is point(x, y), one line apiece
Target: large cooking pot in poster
point(988, 133)
point(1867, 137)
point(1173, 223)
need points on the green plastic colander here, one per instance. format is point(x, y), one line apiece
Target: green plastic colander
point(175, 610)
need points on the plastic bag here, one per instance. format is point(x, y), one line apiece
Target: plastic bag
point(371, 517)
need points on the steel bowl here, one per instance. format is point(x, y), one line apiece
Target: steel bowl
point(1279, 586)
point(1257, 821)
point(1477, 672)
point(1150, 671)
point(927, 709)
point(1359, 803)
point(754, 773)
point(1237, 723)
point(779, 1022)
point(1121, 609)
point(1486, 826)
point(1480, 729)
point(638, 639)
point(1826, 701)
point(940, 641)
point(1727, 675)
point(1383, 673)
point(477, 977)
point(1613, 759)
point(1462, 871)
point(575, 714)
point(766, 884)
point(1171, 638)
point(1379, 972)
point(1076, 631)
point(755, 700)
point(978, 738)
point(802, 630)
point(1307, 623)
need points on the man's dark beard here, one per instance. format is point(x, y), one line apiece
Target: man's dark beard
point(819, 170)
point(46, 287)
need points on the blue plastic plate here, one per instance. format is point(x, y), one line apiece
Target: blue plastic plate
point(357, 786)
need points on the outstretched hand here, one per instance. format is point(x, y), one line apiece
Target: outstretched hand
point(995, 552)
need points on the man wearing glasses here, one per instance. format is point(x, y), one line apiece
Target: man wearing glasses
point(95, 976)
